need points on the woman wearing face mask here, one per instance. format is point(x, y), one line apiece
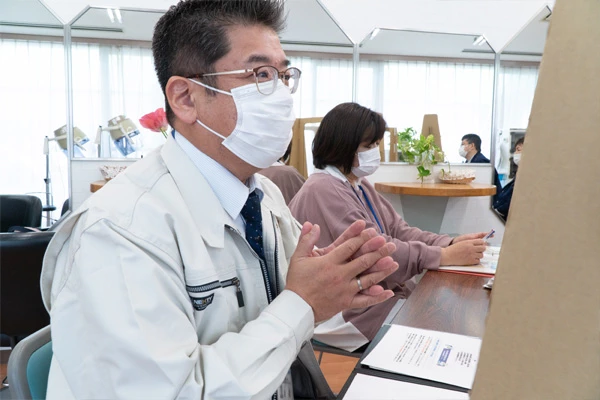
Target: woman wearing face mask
point(502, 201)
point(345, 151)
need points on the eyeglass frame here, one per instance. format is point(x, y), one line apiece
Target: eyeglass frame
point(280, 75)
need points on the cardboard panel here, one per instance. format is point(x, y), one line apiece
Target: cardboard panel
point(542, 338)
point(432, 127)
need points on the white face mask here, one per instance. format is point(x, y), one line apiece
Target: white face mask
point(368, 162)
point(517, 158)
point(264, 123)
point(462, 152)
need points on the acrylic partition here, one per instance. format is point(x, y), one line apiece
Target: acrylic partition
point(33, 145)
point(440, 84)
point(315, 43)
point(519, 66)
point(409, 74)
point(112, 85)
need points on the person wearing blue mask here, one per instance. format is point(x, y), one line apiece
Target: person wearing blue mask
point(345, 153)
point(187, 276)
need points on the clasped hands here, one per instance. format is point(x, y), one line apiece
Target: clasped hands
point(344, 274)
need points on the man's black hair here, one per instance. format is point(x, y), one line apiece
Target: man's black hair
point(192, 35)
point(472, 138)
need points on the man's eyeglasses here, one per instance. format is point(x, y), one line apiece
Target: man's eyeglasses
point(263, 74)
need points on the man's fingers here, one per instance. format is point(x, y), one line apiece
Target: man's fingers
point(352, 231)
point(308, 238)
point(374, 290)
point(382, 264)
point(362, 300)
point(366, 261)
point(372, 245)
point(387, 267)
point(345, 250)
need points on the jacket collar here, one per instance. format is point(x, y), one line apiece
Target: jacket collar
point(205, 208)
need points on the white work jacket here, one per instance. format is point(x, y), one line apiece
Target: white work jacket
point(154, 295)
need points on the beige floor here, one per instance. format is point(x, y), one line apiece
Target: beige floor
point(336, 369)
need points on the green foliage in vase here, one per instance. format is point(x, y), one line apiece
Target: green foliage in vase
point(420, 150)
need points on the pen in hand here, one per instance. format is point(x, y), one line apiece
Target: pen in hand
point(489, 235)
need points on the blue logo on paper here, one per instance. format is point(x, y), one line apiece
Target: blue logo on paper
point(444, 356)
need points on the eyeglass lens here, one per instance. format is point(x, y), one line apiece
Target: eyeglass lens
point(290, 78)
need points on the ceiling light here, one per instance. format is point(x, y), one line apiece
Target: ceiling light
point(374, 33)
point(118, 15)
point(111, 16)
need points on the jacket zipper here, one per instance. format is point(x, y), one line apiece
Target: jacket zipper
point(221, 284)
point(263, 266)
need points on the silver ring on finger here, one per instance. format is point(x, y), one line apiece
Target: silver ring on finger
point(360, 287)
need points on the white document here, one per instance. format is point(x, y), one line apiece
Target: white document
point(437, 356)
point(487, 265)
point(366, 387)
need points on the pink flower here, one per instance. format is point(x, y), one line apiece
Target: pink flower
point(156, 121)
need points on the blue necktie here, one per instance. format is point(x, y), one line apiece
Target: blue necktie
point(253, 217)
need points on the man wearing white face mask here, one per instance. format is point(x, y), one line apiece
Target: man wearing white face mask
point(345, 151)
point(187, 276)
point(503, 199)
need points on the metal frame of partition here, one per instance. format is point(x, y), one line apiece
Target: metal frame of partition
point(69, 84)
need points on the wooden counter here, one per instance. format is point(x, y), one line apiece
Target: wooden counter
point(436, 189)
point(95, 186)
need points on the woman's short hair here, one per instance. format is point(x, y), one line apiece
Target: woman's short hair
point(342, 130)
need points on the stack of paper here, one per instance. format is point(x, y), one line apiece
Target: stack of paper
point(437, 356)
point(487, 265)
point(366, 387)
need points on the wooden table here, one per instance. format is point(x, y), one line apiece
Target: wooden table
point(442, 301)
point(448, 302)
point(95, 186)
point(436, 189)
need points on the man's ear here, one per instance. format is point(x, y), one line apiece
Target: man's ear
point(179, 96)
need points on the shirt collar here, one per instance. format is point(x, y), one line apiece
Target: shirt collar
point(230, 191)
point(336, 173)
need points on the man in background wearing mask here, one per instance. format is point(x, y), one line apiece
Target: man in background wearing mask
point(187, 276)
point(470, 149)
point(503, 199)
point(345, 153)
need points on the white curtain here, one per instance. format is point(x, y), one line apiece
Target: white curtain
point(324, 84)
point(32, 105)
point(516, 90)
point(114, 80)
point(459, 93)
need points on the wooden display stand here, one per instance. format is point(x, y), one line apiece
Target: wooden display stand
point(298, 154)
point(393, 151)
point(431, 126)
point(542, 337)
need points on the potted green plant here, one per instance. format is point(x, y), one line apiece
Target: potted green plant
point(420, 150)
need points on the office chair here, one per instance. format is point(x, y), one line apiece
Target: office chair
point(19, 210)
point(23, 311)
point(29, 366)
